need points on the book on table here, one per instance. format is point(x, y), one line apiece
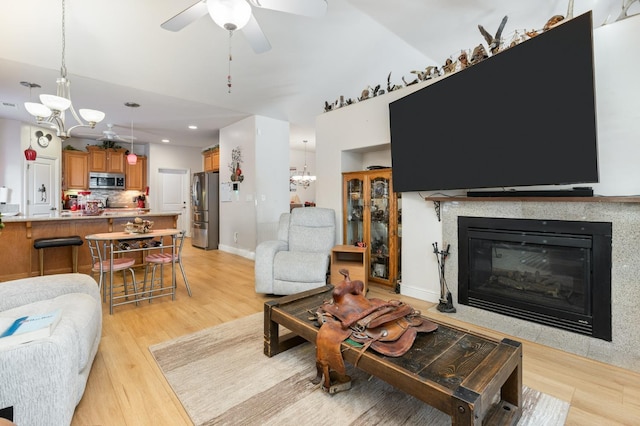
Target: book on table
point(27, 328)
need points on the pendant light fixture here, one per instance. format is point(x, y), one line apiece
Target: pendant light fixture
point(132, 158)
point(30, 154)
point(51, 110)
point(303, 178)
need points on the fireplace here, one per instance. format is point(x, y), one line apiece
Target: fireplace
point(552, 272)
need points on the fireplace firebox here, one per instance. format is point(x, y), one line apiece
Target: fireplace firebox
point(556, 273)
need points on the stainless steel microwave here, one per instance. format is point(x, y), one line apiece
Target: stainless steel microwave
point(106, 181)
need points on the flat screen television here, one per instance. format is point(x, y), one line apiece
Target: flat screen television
point(525, 116)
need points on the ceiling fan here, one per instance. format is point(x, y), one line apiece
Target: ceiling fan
point(235, 15)
point(111, 135)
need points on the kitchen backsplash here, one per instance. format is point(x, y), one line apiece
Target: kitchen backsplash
point(114, 198)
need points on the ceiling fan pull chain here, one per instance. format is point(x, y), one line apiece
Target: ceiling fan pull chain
point(230, 59)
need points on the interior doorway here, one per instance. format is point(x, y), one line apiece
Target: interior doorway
point(43, 190)
point(173, 195)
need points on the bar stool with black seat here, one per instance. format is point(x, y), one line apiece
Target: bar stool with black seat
point(160, 259)
point(101, 264)
point(44, 243)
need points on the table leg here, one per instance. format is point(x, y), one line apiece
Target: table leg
point(271, 332)
point(173, 268)
point(111, 277)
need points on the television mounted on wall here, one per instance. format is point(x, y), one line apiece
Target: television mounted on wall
point(525, 116)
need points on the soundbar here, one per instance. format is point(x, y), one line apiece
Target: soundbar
point(574, 192)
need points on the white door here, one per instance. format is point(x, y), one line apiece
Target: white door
point(42, 192)
point(174, 194)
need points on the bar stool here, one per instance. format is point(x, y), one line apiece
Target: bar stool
point(43, 243)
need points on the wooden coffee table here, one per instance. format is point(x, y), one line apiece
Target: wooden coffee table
point(474, 378)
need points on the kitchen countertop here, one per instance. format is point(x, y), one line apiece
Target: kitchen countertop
point(69, 215)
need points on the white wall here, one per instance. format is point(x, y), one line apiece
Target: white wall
point(264, 194)
point(344, 136)
point(11, 159)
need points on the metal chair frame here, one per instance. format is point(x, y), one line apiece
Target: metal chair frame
point(100, 264)
point(160, 259)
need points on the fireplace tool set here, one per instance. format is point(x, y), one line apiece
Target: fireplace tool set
point(446, 302)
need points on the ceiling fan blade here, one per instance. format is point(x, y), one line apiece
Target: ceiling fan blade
point(311, 8)
point(255, 36)
point(187, 16)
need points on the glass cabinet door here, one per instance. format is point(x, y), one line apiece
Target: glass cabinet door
point(354, 194)
point(379, 238)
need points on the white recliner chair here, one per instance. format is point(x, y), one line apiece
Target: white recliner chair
point(299, 259)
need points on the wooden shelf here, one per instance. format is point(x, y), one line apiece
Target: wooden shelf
point(595, 199)
point(355, 259)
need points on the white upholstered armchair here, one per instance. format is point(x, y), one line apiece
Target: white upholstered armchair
point(299, 259)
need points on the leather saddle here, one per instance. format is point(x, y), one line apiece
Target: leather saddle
point(387, 327)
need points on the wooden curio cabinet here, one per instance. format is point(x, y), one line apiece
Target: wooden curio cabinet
point(135, 177)
point(211, 160)
point(75, 170)
point(371, 214)
point(108, 160)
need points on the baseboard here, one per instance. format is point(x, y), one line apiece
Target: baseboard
point(419, 293)
point(235, 250)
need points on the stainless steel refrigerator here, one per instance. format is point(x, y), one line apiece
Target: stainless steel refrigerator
point(204, 206)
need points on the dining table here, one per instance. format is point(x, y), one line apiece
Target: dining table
point(113, 244)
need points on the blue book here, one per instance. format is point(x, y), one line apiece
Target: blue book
point(27, 328)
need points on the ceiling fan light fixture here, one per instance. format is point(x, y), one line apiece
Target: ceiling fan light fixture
point(229, 14)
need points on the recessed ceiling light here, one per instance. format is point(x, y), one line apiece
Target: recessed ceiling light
point(192, 127)
point(165, 140)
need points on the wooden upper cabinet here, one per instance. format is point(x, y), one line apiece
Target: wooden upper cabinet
point(75, 170)
point(212, 161)
point(136, 174)
point(106, 160)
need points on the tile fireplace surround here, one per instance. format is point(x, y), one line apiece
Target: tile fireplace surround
point(624, 349)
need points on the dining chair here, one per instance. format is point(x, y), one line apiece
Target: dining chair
point(101, 265)
point(160, 259)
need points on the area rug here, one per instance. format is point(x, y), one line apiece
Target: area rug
point(221, 376)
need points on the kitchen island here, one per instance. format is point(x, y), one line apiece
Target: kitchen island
point(20, 259)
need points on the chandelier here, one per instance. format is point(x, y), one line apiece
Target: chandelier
point(303, 178)
point(51, 110)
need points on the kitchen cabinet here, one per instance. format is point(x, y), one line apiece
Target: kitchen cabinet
point(108, 160)
point(75, 170)
point(135, 177)
point(212, 160)
point(371, 216)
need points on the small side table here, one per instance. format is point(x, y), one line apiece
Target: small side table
point(353, 258)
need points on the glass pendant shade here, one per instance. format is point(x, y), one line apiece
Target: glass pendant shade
point(92, 115)
point(55, 103)
point(132, 159)
point(229, 14)
point(30, 154)
point(37, 110)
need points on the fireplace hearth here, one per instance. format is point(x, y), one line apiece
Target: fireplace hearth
point(552, 272)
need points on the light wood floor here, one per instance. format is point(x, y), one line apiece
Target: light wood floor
point(126, 387)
